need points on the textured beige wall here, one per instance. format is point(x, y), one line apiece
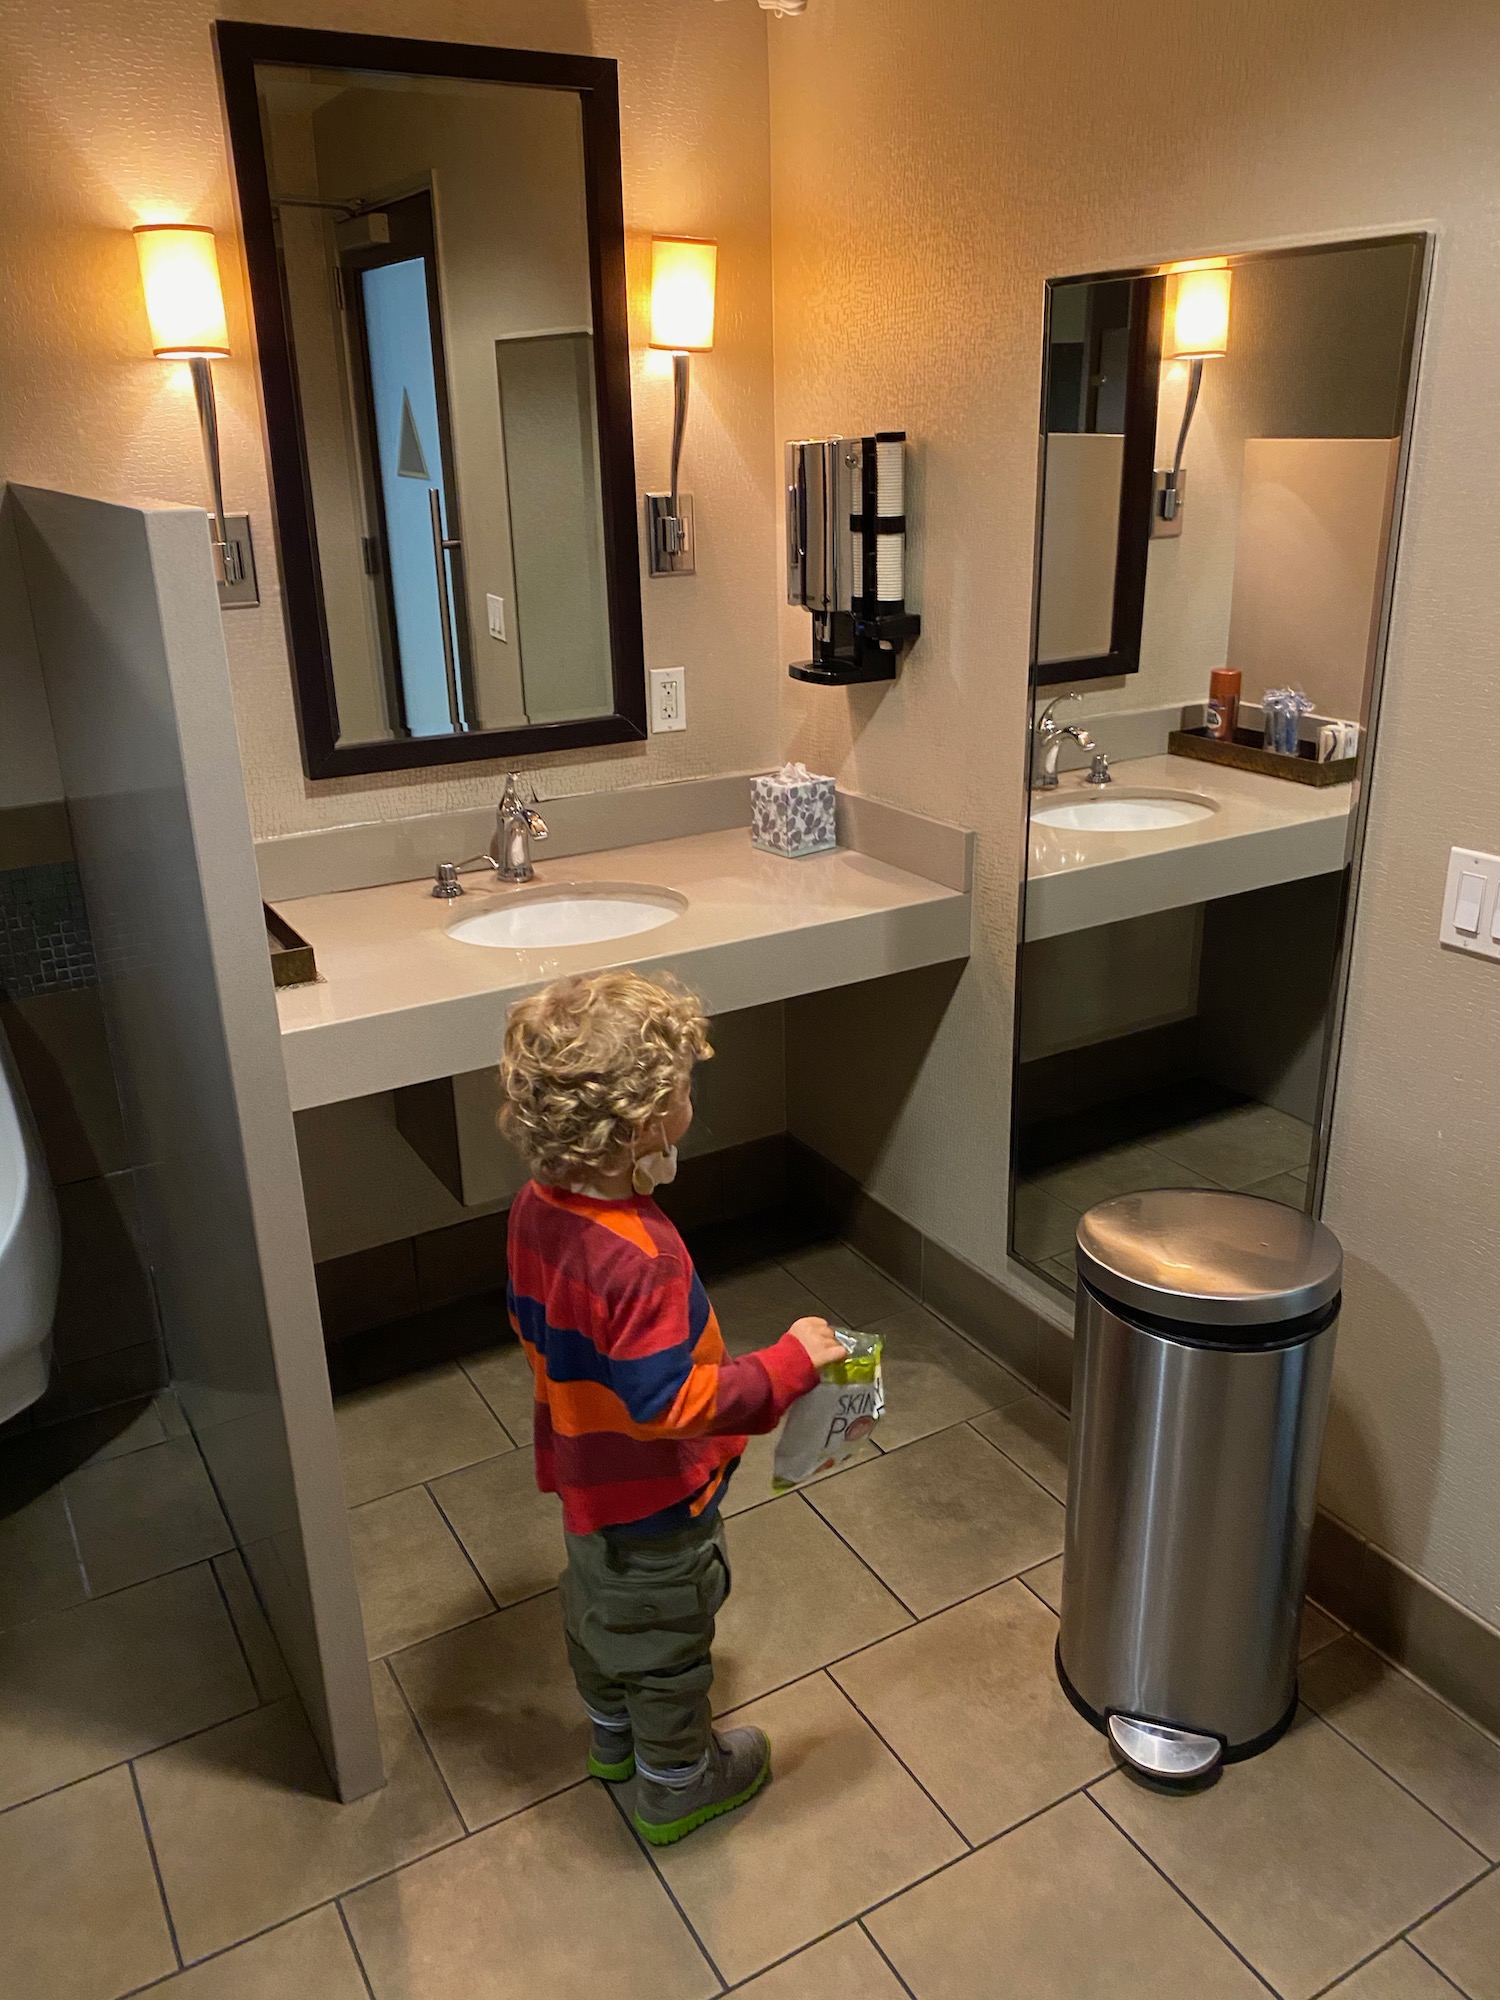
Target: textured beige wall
point(932, 167)
point(111, 116)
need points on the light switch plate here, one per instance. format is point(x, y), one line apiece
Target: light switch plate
point(1465, 927)
point(495, 608)
point(668, 699)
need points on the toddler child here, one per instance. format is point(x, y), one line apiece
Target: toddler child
point(640, 1414)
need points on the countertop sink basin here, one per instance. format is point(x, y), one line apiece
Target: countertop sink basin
point(561, 914)
point(1140, 813)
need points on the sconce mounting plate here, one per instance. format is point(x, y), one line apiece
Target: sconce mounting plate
point(671, 544)
point(1164, 524)
point(238, 587)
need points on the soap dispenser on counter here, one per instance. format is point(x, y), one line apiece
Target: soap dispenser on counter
point(846, 555)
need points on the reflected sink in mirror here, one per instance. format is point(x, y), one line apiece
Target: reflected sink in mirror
point(1145, 813)
point(567, 914)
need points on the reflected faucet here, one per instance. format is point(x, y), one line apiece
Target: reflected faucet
point(1047, 741)
point(517, 824)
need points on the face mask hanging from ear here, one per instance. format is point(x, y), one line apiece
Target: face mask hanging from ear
point(654, 1170)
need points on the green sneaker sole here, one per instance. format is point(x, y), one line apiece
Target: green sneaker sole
point(612, 1774)
point(678, 1829)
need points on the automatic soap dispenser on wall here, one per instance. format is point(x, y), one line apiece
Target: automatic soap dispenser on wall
point(846, 555)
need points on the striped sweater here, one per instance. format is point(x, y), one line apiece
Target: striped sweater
point(640, 1413)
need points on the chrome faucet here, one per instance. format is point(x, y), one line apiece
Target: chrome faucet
point(1047, 741)
point(517, 824)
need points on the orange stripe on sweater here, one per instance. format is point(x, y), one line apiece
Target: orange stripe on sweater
point(622, 1221)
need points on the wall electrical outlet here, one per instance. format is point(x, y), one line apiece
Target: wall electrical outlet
point(496, 609)
point(1471, 903)
point(668, 699)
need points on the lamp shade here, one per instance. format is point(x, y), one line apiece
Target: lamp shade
point(1200, 315)
point(684, 274)
point(180, 277)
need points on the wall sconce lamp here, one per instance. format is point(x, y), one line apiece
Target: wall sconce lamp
point(185, 308)
point(684, 278)
point(1198, 331)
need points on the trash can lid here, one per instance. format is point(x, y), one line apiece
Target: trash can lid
point(1206, 1256)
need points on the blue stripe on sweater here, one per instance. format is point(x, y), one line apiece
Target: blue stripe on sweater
point(647, 1385)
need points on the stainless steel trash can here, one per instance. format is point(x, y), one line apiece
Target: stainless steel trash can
point(1204, 1349)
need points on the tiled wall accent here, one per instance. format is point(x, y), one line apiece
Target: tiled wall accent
point(107, 1343)
point(45, 945)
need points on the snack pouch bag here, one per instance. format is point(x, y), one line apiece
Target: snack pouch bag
point(829, 1422)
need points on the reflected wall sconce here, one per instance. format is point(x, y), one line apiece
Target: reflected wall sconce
point(185, 308)
point(1197, 331)
point(684, 282)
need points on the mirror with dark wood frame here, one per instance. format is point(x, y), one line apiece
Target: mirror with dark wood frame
point(1100, 366)
point(434, 235)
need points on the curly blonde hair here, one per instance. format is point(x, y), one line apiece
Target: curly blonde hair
point(588, 1063)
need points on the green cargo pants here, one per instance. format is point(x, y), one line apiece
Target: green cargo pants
point(639, 1617)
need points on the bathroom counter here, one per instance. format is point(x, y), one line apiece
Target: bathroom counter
point(399, 1002)
point(1266, 830)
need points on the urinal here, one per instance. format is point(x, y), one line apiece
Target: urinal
point(30, 1248)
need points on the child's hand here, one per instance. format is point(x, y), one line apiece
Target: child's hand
point(822, 1344)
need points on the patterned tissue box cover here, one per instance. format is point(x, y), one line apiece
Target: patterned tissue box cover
point(793, 818)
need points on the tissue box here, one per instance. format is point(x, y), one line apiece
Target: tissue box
point(792, 812)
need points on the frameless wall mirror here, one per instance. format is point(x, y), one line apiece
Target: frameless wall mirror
point(435, 242)
point(1192, 865)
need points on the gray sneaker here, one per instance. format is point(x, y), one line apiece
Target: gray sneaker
point(739, 1763)
point(611, 1754)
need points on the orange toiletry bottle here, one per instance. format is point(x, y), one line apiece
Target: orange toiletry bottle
point(1223, 702)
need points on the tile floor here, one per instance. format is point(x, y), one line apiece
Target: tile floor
point(1251, 1148)
point(941, 1826)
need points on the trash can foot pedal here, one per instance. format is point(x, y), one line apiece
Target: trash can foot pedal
point(1170, 1755)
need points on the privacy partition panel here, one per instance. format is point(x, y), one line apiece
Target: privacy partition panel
point(132, 651)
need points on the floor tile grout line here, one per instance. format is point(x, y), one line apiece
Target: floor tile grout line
point(1438, 1908)
point(1375, 1764)
point(1021, 1577)
point(971, 1424)
point(1446, 1977)
point(161, 1887)
point(83, 1568)
point(119, 1590)
point(922, 1617)
point(499, 1610)
point(1176, 1887)
point(615, 1795)
point(136, 1756)
point(442, 1632)
point(869, 1567)
point(252, 1937)
point(448, 1523)
point(886, 1959)
point(1396, 1666)
point(952, 1326)
point(21, 1439)
point(234, 1626)
point(338, 1904)
point(448, 1472)
point(515, 1442)
point(978, 1847)
point(869, 1646)
point(798, 1951)
point(880, 1737)
point(1385, 1945)
point(432, 1757)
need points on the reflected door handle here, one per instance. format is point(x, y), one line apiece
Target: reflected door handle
point(441, 544)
